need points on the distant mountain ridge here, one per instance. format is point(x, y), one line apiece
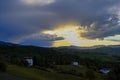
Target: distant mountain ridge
point(113, 49)
point(2, 43)
point(93, 47)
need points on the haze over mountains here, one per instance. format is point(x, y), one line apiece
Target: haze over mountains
point(99, 49)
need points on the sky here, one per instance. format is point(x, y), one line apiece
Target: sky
point(55, 23)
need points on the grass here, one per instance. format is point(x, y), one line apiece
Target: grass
point(15, 72)
point(6, 76)
point(81, 71)
point(78, 69)
point(36, 74)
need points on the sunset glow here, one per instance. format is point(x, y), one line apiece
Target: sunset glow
point(72, 35)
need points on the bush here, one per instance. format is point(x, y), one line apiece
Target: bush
point(3, 67)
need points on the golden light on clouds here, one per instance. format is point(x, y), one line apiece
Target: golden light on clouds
point(72, 36)
point(41, 2)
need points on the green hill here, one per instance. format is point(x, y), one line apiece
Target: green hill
point(36, 74)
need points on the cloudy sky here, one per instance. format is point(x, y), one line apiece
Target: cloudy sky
point(60, 22)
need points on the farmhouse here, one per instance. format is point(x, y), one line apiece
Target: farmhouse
point(105, 70)
point(74, 63)
point(29, 60)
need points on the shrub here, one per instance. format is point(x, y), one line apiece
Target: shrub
point(3, 67)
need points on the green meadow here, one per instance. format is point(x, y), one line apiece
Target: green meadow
point(28, 73)
point(36, 74)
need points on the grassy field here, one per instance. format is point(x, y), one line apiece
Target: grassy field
point(36, 74)
point(26, 73)
point(6, 76)
point(81, 71)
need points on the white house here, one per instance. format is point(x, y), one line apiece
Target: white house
point(105, 70)
point(75, 63)
point(29, 60)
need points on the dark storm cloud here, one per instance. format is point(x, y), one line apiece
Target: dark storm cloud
point(88, 12)
point(40, 40)
point(18, 20)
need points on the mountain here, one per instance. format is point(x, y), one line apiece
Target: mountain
point(2, 43)
point(113, 49)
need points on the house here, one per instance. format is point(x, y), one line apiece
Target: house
point(74, 63)
point(105, 70)
point(29, 60)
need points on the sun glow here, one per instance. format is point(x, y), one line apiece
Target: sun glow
point(72, 35)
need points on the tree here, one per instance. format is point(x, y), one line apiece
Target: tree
point(3, 65)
